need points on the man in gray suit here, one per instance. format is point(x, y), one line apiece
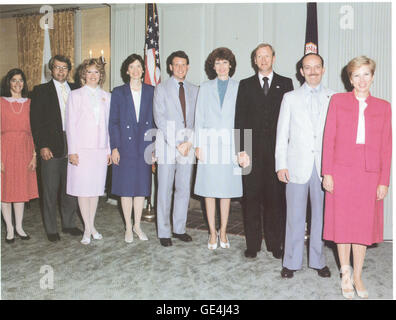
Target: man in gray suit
point(174, 110)
point(298, 155)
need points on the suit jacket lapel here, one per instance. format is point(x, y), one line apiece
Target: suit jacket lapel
point(305, 107)
point(143, 110)
point(229, 90)
point(129, 103)
point(53, 97)
point(324, 100)
point(174, 93)
point(215, 91)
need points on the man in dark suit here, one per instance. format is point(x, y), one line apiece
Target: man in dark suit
point(257, 108)
point(47, 118)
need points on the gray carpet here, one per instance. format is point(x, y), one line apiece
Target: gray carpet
point(112, 269)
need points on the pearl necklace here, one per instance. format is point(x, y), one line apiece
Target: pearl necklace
point(13, 110)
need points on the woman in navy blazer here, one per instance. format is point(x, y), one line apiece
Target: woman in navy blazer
point(131, 116)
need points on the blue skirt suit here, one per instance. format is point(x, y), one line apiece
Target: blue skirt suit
point(132, 177)
point(218, 173)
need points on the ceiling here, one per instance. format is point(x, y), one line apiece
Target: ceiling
point(10, 10)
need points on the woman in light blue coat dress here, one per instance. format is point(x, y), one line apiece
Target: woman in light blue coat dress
point(218, 174)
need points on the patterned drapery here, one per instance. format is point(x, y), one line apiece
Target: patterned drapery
point(30, 37)
point(62, 35)
point(30, 48)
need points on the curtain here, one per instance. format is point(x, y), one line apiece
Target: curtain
point(30, 38)
point(62, 35)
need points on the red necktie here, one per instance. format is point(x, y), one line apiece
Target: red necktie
point(182, 101)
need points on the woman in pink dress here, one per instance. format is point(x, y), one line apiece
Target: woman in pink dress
point(87, 119)
point(18, 158)
point(357, 148)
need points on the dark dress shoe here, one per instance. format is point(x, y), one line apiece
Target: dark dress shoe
point(249, 254)
point(73, 231)
point(287, 273)
point(183, 237)
point(324, 272)
point(10, 240)
point(27, 237)
point(166, 242)
point(53, 237)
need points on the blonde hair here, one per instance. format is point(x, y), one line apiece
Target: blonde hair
point(99, 65)
point(357, 62)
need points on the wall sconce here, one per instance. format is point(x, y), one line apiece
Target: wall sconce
point(102, 58)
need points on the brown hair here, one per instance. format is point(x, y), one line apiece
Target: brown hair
point(219, 54)
point(357, 62)
point(92, 62)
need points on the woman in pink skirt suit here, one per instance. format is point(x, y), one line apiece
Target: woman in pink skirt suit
point(357, 148)
point(87, 118)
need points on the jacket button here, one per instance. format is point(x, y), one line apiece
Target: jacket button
point(147, 123)
point(130, 138)
point(127, 127)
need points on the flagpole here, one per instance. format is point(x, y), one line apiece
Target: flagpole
point(149, 212)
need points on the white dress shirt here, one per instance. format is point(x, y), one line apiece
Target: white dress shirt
point(270, 76)
point(62, 103)
point(95, 101)
point(361, 131)
point(136, 95)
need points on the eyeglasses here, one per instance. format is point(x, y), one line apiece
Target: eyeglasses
point(17, 80)
point(61, 68)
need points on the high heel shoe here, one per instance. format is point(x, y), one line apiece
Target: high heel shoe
point(224, 245)
point(361, 294)
point(212, 246)
point(86, 240)
point(347, 282)
point(142, 236)
point(97, 236)
point(27, 237)
point(128, 237)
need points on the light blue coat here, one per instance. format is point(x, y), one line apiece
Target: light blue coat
point(218, 174)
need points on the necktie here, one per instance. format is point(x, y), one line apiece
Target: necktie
point(182, 101)
point(266, 85)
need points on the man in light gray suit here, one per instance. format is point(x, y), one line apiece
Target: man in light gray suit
point(174, 110)
point(298, 155)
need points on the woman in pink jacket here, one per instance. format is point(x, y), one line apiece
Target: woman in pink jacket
point(87, 119)
point(357, 148)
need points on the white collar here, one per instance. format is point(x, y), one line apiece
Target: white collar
point(58, 84)
point(19, 100)
point(270, 76)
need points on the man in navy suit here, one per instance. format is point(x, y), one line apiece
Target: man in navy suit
point(47, 118)
point(174, 111)
point(257, 108)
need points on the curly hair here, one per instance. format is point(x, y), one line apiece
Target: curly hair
point(6, 87)
point(83, 68)
point(221, 53)
point(124, 67)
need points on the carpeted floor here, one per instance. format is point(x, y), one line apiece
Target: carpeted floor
point(113, 269)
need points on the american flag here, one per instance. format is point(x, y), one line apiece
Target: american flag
point(151, 49)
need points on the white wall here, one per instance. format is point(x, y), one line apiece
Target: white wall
point(200, 28)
